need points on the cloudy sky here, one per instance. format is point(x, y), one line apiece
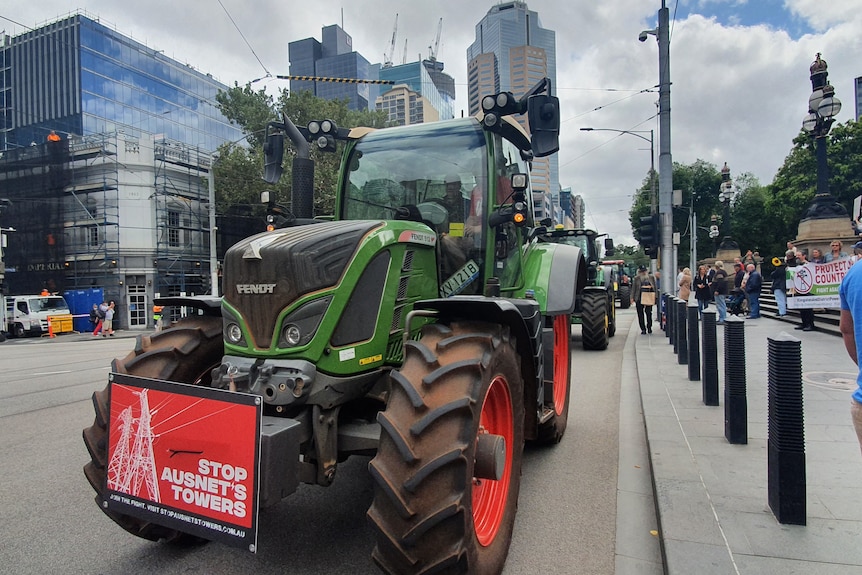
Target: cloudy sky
point(739, 68)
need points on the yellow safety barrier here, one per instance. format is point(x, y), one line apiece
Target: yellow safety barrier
point(60, 323)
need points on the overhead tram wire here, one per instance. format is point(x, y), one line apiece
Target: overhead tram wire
point(244, 39)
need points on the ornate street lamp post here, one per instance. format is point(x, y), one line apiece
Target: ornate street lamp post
point(726, 191)
point(823, 106)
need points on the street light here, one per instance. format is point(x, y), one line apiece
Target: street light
point(823, 106)
point(651, 140)
point(726, 191)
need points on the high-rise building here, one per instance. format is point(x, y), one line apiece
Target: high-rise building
point(512, 52)
point(405, 107)
point(77, 76)
point(418, 78)
point(105, 150)
point(333, 58)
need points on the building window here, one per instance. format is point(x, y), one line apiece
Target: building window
point(174, 229)
point(93, 236)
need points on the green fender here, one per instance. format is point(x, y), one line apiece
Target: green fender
point(556, 273)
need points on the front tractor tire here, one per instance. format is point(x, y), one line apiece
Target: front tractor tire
point(184, 353)
point(437, 506)
point(594, 320)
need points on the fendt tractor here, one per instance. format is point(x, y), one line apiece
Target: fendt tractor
point(417, 325)
point(594, 307)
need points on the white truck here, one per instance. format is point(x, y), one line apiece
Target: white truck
point(28, 314)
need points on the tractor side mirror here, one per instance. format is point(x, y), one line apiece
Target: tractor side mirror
point(543, 114)
point(609, 247)
point(273, 153)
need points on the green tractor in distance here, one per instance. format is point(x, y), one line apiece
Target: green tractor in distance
point(621, 280)
point(594, 310)
point(417, 325)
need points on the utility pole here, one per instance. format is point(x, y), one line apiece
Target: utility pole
point(665, 184)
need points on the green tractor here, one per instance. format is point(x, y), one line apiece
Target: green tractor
point(594, 308)
point(621, 279)
point(417, 325)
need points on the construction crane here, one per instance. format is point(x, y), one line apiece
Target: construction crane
point(389, 54)
point(432, 50)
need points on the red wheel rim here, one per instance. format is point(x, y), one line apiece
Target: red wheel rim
point(562, 333)
point(489, 496)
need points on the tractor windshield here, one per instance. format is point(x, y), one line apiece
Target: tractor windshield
point(428, 169)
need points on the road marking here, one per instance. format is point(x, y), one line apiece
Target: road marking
point(53, 372)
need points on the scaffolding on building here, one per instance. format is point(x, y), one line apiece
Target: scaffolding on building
point(181, 201)
point(92, 213)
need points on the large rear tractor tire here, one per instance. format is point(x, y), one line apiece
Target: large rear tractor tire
point(625, 296)
point(185, 353)
point(594, 320)
point(557, 399)
point(453, 424)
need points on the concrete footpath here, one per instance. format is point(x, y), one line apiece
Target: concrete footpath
point(712, 496)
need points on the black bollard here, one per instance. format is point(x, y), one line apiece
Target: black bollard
point(786, 432)
point(671, 318)
point(735, 400)
point(668, 303)
point(693, 343)
point(710, 359)
point(681, 336)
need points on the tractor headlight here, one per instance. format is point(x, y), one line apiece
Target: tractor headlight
point(300, 325)
point(233, 333)
point(291, 334)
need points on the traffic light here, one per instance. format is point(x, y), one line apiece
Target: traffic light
point(649, 232)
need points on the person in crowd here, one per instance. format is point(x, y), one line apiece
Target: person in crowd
point(817, 256)
point(685, 284)
point(791, 248)
point(835, 251)
point(749, 258)
point(679, 279)
point(100, 326)
point(719, 290)
point(850, 325)
point(857, 251)
point(806, 315)
point(701, 289)
point(752, 288)
point(96, 319)
point(108, 323)
point(779, 286)
point(644, 291)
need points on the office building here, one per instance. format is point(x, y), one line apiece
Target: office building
point(417, 76)
point(334, 57)
point(116, 199)
point(512, 52)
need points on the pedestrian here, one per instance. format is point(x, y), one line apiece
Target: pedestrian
point(685, 285)
point(643, 296)
point(791, 248)
point(779, 286)
point(749, 258)
point(95, 319)
point(108, 325)
point(679, 279)
point(817, 256)
point(835, 251)
point(100, 312)
point(157, 316)
point(857, 251)
point(720, 291)
point(701, 289)
point(752, 289)
point(850, 325)
point(806, 314)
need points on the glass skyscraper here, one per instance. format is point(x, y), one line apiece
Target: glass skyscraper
point(333, 58)
point(416, 76)
point(511, 52)
point(79, 77)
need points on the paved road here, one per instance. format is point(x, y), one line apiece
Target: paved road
point(567, 521)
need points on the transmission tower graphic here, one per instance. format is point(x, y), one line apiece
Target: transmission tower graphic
point(130, 470)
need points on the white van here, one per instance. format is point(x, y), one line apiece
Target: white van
point(28, 314)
